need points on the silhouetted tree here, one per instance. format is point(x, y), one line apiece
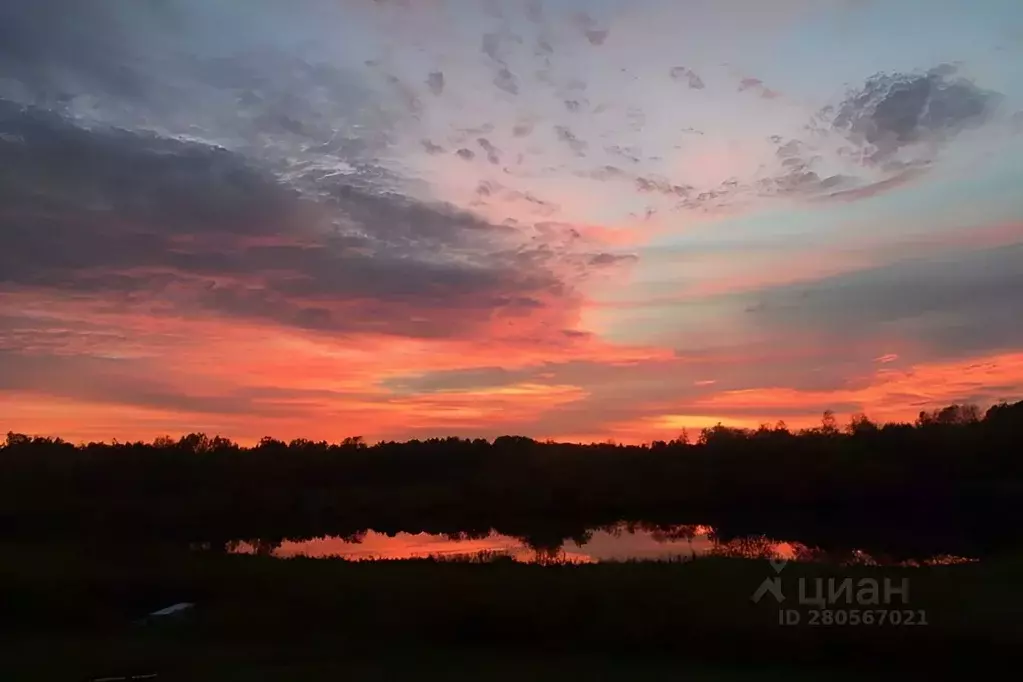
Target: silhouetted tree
point(963, 468)
point(860, 425)
point(829, 425)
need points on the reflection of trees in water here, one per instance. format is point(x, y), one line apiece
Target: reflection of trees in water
point(948, 560)
point(547, 556)
point(762, 547)
point(355, 538)
point(264, 547)
point(658, 532)
point(673, 533)
point(840, 556)
point(582, 538)
point(463, 535)
point(546, 543)
point(257, 546)
point(749, 547)
point(543, 544)
point(549, 547)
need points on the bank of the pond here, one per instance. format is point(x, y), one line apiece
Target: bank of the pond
point(702, 610)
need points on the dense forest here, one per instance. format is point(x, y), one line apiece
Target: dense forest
point(950, 483)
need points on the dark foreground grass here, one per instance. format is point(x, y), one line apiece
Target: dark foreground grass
point(56, 660)
point(69, 615)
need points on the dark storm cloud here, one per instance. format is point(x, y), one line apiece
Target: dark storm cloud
point(47, 44)
point(956, 305)
point(166, 67)
point(896, 122)
point(893, 111)
point(69, 196)
point(111, 213)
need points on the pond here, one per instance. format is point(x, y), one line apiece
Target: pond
point(601, 545)
point(621, 542)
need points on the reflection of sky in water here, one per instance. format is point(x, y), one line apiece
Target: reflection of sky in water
point(604, 545)
point(607, 544)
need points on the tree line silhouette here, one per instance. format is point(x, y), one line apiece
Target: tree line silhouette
point(950, 483)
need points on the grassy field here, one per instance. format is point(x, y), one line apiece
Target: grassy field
point(70, 614)
point(66, 661)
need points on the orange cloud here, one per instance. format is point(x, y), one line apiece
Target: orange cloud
point(886, 395)
point(890, 394)
point(142, 376)
point(99, 372)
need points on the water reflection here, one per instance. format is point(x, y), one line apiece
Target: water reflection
point(618, 542)
point(621, 542)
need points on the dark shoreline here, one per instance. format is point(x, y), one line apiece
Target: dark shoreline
point(950, 484)
point(326, 612)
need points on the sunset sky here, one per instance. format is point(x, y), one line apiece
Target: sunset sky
point(566, 219)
